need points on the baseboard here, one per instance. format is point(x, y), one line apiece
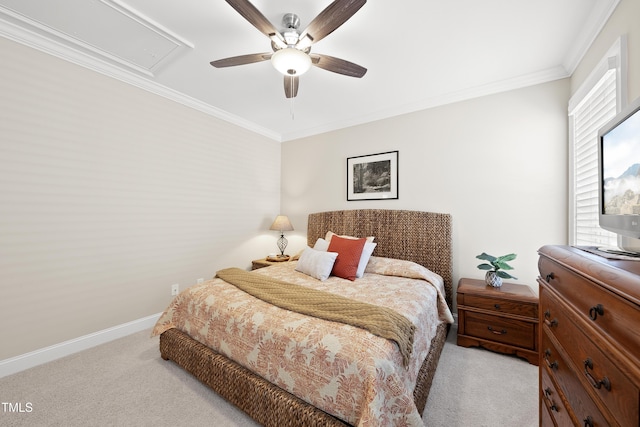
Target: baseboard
point(56, 351)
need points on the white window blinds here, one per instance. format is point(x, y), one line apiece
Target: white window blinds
point(595, 103)
point(598, 107)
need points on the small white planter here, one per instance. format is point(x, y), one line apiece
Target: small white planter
point(493, 279)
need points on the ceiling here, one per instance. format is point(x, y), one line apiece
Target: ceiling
point(419, 53)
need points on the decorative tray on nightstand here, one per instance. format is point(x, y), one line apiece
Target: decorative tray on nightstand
point(278, 258)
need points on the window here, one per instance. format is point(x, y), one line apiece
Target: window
point(597, 101)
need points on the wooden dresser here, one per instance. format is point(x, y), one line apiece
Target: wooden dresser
point(589, 339)
point(503, 319)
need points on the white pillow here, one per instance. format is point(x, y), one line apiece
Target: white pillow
point(317, 264)
point(321, 245)
point(364, 258)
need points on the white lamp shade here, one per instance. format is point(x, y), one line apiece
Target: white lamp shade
point(281, 223)
point(291, 61)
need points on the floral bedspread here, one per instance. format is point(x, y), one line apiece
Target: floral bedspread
point(341, 369)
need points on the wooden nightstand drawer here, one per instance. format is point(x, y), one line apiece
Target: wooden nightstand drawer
point(266, 262)
point(501, 329)
point(260, 263)
point(502, 305)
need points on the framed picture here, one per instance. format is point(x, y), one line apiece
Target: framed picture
point(373, 177)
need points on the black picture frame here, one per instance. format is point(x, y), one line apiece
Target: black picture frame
point(373, 177)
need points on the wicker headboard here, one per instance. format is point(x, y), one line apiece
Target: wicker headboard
point(421, 237)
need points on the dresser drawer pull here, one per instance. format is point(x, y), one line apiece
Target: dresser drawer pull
point(588, 422)
point(496, 306)
point(551, 365)
point(588, 364)
point(500, 332)
point(550, 276)
point(549, 323)
point(595, 311)
point(552, 404)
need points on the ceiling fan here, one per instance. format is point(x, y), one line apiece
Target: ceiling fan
point(292, 49)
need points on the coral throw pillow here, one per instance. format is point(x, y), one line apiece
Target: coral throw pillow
point(349, 252)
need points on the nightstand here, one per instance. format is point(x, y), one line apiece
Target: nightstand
point(503, 319)
point(264, 262)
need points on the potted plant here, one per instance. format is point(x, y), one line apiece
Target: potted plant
point(495, 267)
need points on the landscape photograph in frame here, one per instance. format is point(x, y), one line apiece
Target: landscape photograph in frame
point(373, 176)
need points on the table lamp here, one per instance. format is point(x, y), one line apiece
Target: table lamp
point(282, 224)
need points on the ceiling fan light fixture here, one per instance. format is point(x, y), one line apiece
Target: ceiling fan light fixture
point(291, 61)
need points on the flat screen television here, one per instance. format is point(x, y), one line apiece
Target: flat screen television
point(619, 177)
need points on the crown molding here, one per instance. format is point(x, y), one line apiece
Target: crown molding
point(11, 28)
point(595, 22)
point(519, 82)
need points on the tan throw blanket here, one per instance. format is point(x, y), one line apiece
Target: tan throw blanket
point(381, 321)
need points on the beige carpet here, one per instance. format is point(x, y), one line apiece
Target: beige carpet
point(126, 383)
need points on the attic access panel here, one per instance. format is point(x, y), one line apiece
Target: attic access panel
point(102, 28)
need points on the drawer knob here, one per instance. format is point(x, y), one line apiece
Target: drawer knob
point(500, 332)
point(588, 365)
point(496, 306)
point(552, 404)
point(588, 422)
point(550, 276)
point(595, 311)
point(549, 323)
point(551, 365)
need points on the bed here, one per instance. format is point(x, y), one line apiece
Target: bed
point(423, 238)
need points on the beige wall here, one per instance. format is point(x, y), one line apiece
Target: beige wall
point(625, 20)
point(110, 194)
point(496, 163)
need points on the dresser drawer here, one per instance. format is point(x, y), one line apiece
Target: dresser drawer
point(546, 420)
point(556, 413)
point(584, 408)
point(597, 372)
point(603, 310)
point(502, 306)
point(500, 329)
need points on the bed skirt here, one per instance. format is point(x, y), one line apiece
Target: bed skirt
point(267, 403)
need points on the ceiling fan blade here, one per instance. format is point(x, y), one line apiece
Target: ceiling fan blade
point(241, 60)
point(291, 86)
point(337, 65)
point(327, 21)
point(258, 20)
